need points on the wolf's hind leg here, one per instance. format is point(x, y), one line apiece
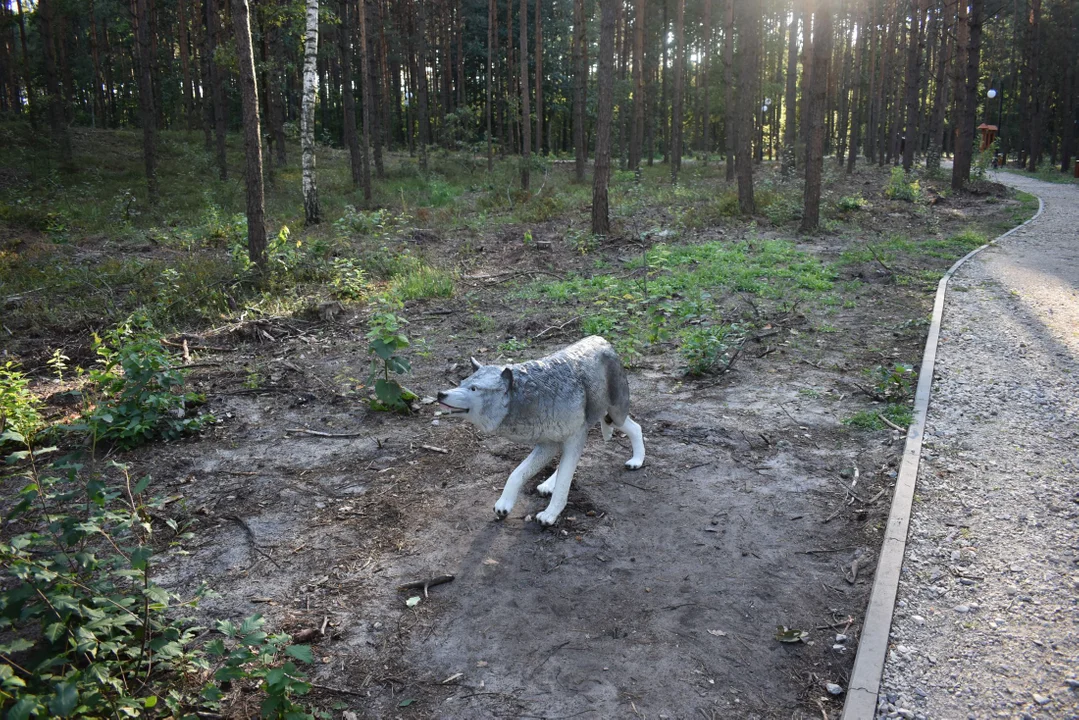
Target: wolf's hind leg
point(606, 426)
point(636, 439)
point(540, 456)
point(571, 455)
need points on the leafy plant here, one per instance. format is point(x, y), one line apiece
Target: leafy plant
point(849, 203)
point(89, 634)
point(348, 281)
point(899, 188)
point(386, 339)
point(894, 382)
point(710, 349)
point(57, 362)
point(141, 394)
point(19, 408)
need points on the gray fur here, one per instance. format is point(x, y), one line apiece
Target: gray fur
point(551, 403)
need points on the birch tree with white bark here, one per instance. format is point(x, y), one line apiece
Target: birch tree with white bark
point(312, 213)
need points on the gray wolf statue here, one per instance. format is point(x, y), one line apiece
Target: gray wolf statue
point(550, 402)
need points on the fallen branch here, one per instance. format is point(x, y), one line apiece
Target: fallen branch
point(343, 691)
point(889, 423)
point(432, 448)
point(575, 318)
point(417, 584)
point(319, 433)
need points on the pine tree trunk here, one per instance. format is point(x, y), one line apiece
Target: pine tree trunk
point(749, 47)
point(421, 79)
point(526, 122)
point(940, 100)
point(312, 211)
point(637, 137)
point(256, 206)
point(964, 143)
point(915, 52)
point(368, 99)
point(217, 89)
point(706, 65)
point(664, 127)
point(539, 78)
point(1037, 93)
point(601, 224)
point(491, 30)
point(580, 89)
point(57, 125)
point(1067, 130)
point(348, 99)
point(187, 88)
point(26, 67)
point(858, 101)
point(277, 96)
point(99, 83)
point(822, 52)
point(679, 87)
point(147, 116)
point(730, 112)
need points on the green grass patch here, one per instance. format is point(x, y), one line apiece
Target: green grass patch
point(870, 419)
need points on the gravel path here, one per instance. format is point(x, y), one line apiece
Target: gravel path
point(987, 618)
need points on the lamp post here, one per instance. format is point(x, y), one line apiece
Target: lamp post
point(760, 141)
point(994, 93)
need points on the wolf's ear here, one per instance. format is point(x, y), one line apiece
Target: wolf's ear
point(476, 364)
point(507, 375)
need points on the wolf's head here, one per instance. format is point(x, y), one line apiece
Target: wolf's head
point(482, 398)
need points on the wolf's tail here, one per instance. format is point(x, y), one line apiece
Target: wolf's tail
point(607, 428)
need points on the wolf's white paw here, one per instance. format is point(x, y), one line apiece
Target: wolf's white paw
point(547, 518)
point(502, 508)
point(634, 463)
point(545, 489)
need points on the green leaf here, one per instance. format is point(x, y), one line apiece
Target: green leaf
point(141, 485)
point(388, 392)
point(16, 645)
point(383, 349)
point(251, 623)
point(216, 647)
point(27, 705)
point(54, 632)
point(300, 652)
point(785, 634)
point(150, 701)
point(140, 555)
point(64, 701)
point(406, 703)
point(17, 456)
point(228, 673)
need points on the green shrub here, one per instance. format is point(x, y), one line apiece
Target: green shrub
point(850, 203)
point(423, 282)
point(386, 339)
point(140, 392)
point(348, 281)
point(894, 382)
point(19, 408)
point(899, 188)
point(89, 634)
point(710, 349)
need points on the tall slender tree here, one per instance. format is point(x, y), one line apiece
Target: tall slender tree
point(968, 100)
point(147, 115)
point(526, 123)
point(790, 124)
point(539, 77)
point(601, 173)
point(822, 52)
point(580, 88)
point(679, 87)
point(749, 41)
point(348, 96)
point(256, 205)
point(491, 15)
point(312, 211)
point(730, 121)
point(637, 137)
point(368, 100)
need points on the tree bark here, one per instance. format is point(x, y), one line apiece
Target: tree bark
point(256, 206)
point(539, 78)
point(964, 144)
point(915, 52)
point(421, 79)
point(26, 67)
point(940, 101)
point(526, 122)
point(147, 116)
point(580, 53)
point(730, 113)
point(187, 88)
point(679, 87)
point(822, 52)
point(217, 89)
point(312, 211)
point(348, 96)
point(601, 224)
point(1037, 93)
point(706, 65)
point(858, 102)
point(790, 127)
point(368, 100)
point(57, 125)
point(637, 138)
point(491, 15)
point(749, 41)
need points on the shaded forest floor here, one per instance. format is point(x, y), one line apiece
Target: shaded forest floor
point(766, 486)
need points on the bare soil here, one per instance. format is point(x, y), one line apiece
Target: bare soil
point(660, 593)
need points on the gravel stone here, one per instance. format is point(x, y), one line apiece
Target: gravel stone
point(990, 619)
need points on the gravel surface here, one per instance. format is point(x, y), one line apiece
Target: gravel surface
point(987, 616)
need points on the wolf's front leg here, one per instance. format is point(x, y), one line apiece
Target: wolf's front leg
point(540, 456)
point(571, 455)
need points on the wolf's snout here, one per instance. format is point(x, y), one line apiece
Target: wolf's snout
point(441, 395)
